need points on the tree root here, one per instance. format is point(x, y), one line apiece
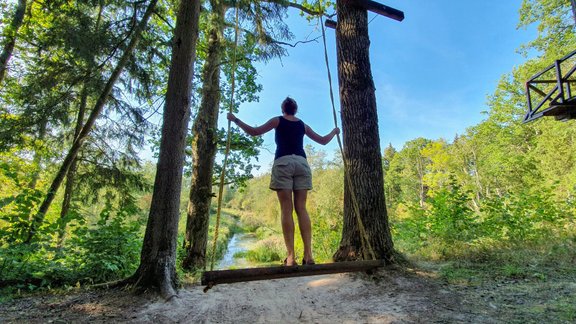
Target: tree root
point(114, 284)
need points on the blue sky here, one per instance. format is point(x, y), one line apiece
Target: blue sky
point(432, 72)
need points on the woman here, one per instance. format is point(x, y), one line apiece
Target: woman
point(291, 175)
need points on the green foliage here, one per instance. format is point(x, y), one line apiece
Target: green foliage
point(242, 149)
point(326, 234)
point(555, 21)
point(410, 232)
point(106, 250)
point(19, 200)
point(406, 169)
point(446, 223)
point(449, 216)
point(523, 217)
point(15, 211)
point(111, 249)
point(268, 250)
point(500, 186)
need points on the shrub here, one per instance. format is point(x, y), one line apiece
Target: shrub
point(267, 250)
point(107, 250)
point(449, 217)
point(110, 249)
point(522, 217)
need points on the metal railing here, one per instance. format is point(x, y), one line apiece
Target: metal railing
point(552, 87)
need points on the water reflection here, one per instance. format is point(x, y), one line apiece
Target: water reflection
point(238, 243)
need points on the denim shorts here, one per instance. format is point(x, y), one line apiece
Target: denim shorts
point(291, 172)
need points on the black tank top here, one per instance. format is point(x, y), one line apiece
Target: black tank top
point(289, 137)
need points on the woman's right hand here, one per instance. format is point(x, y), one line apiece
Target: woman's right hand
point(336, 131)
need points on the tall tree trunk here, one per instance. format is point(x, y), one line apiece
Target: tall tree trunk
point(11, 33)
point(204, 146)
point(71, 175)
point(361, 140)
point(158, 258)
point(98, 107)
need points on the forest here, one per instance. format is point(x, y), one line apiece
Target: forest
point(83, 82)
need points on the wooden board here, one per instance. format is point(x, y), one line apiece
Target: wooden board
point(380, 9)
point(330, 23)
point(211, 278)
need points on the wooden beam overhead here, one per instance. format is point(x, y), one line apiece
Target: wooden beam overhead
point(330, 23)
point(381, 9)
point(373, 6)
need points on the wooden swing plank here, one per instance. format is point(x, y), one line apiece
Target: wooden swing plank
point(210, 278)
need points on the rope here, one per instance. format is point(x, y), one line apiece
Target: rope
point(227, 151)
point(363, 235)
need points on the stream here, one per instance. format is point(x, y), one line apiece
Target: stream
point(238, 243)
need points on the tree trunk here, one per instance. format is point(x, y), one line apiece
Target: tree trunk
point(10, 37)
point(71, 175)
point(361, 140)
point(79, 141)
point(204, 146)
point(158, 258)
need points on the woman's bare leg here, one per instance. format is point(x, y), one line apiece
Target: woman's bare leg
point(286, 208)
point(304, 222)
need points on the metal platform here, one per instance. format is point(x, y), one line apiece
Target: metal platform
point(550, 92)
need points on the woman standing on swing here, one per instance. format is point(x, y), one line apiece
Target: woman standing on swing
point(291, 175)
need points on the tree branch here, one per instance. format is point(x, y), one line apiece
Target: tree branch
point(298, 42)
point(297, 6)
point(163, 19)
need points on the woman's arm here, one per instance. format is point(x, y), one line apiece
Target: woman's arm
point(321, 139)
point(254, 131)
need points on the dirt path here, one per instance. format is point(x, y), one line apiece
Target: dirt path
point(391, 296)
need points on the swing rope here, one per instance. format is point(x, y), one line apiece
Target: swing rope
point(364, 240)
point(227, 151)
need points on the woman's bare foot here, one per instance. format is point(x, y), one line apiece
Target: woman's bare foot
point(289, 262)
point(308, 262)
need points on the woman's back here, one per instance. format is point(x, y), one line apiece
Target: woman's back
point(289, 137)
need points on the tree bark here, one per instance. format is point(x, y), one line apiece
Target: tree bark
point(361, 140)
point(204, 146)
point(98, 107)
point(10, 37)
point(158, 257)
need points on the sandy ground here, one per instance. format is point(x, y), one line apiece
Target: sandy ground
point(390, 296)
